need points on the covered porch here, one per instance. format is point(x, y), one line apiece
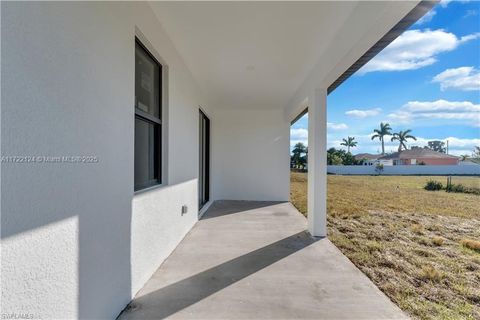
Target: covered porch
point(255, 260)
point(84, 240)
point(262, 66)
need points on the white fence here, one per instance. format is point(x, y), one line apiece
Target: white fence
point(406, 170)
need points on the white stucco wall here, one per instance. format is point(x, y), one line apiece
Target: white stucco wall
point(250, 155)
point(76, 242)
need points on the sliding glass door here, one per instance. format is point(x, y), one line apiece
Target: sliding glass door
point(204, 160)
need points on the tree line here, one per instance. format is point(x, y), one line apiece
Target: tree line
point(335, 156)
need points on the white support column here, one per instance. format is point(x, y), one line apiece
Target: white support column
point(317, 163)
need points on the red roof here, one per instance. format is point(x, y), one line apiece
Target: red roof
point(368, 156)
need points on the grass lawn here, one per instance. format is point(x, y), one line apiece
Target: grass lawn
point(410, 242)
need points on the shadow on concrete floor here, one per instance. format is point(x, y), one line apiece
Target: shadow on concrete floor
point(184, 293)
point(225, 207)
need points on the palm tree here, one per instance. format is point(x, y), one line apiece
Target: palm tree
point(402, 137)
point(299, 148)
point(385, 130)
point(349, 143)
point(297, 152)
point(476, 152)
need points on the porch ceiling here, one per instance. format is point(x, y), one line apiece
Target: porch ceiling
point(257, 54)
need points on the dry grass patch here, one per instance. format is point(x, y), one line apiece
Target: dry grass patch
point(471, 244)
point(437, 241)
point(417, 228)
point(429, 273)
point(298, 191)
point(361, 194)
point(406, 240)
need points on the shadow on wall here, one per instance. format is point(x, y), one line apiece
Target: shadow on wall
point(49, 244)
point(65, 227)
point(187, 292)
point(102, 228)
point(61, 227)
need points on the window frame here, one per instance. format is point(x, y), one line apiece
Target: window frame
point(158, 124)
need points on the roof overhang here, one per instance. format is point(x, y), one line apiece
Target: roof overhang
point(258, 54)
point(413, 16)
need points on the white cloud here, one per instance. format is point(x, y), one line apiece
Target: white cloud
point(301, 134)
point(427, 17)
point(463, 78)
point(363, 113)
point(415, 49)
point(444, 3)
point(336, 126)
point(441, 105)
point(298, 134)
point(470, 13)
point(457, 143)
point(456, 146)
point(401, 117)
point(469, 37)
point(439, 109)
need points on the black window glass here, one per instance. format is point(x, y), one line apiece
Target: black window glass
point(148, 110)
point(147, 82)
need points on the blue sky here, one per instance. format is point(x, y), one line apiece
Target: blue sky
point(427, 80)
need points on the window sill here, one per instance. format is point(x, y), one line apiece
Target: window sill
point(148, 189)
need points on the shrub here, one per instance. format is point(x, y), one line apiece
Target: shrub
point(473, 190)
point(471, 244)
point(341, 157)
point(460, 188)
point(456, 188)
point(379, 168)
point(433, 185)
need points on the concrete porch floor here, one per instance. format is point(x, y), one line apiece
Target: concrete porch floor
point(254, 260)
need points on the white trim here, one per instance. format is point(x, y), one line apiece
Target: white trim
point(297, 110)
point(151, 188)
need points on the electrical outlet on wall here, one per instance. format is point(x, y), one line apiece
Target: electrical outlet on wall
point(184, 209)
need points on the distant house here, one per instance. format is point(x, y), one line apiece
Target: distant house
point(470, 162)
point(367, 156)
point(370, 159)
point(421, 156)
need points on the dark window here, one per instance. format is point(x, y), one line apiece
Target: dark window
point(204, 160)
point(148, 123)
